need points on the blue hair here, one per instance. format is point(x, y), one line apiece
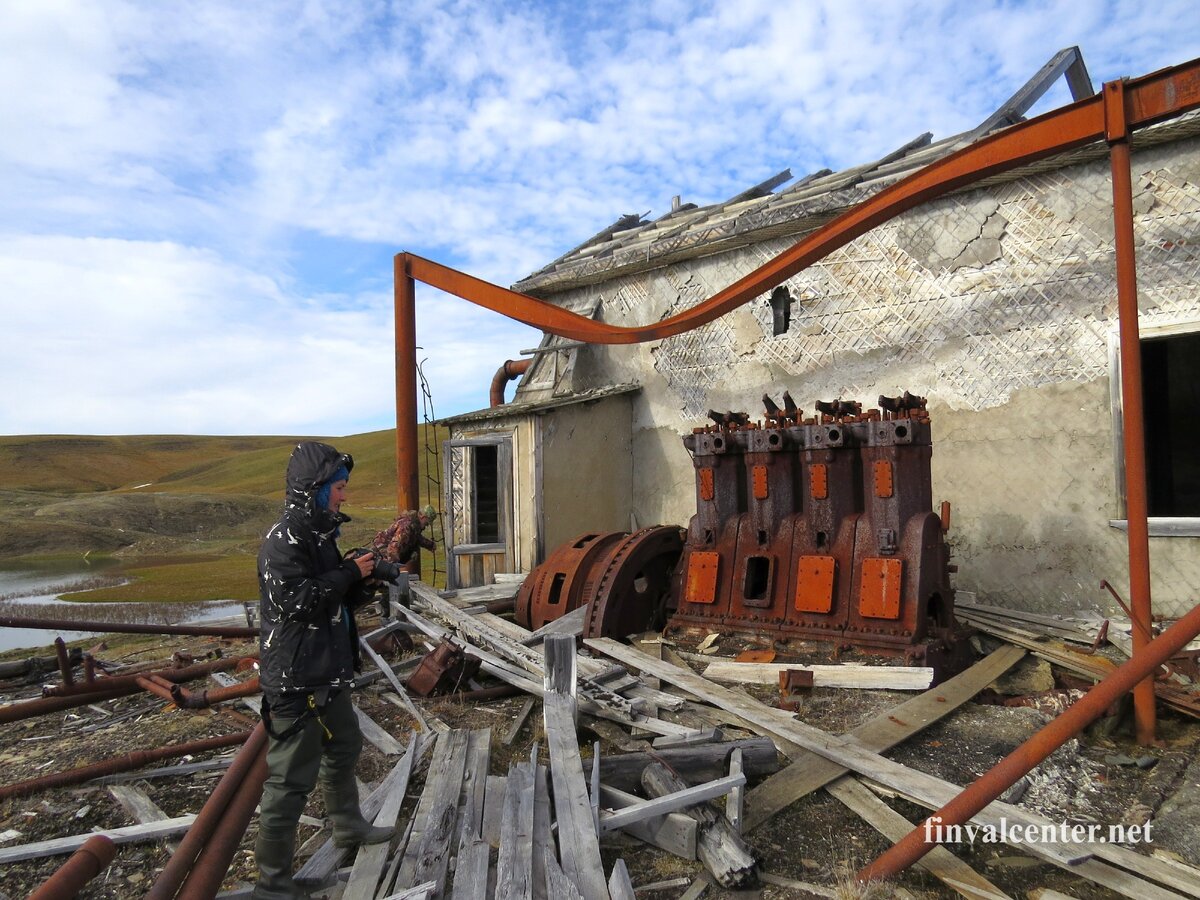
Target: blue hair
point(342, 474)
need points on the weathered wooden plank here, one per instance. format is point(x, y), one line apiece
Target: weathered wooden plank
point(427, 854)
point(372, 859)
point(728, 858)
point(939, 861)
point(471, 866)
point(373, 732)
point(138, 804)
point(514, 865)
point(619, 885)
point(735, 802)
point(705, 736)
point(922, 788)
point(515, 728)
point(543, 840)
point(672, 802)
point(401, 693)
point(130, 834)
point(322, 864)
point(673, 832)
point(572, 624)
point(493, 808)
point(700, 763)
point(809, 772)
point(892, 678)
point(579, 844)
point(208, 765)
point(558, 885)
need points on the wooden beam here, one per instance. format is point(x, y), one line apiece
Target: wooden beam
point(809, 772)
point(130, 834)
point(514, 865)
point(891, 678)
point(925, 789)
point(579, 844)
point(673, 802)
point(938, 862)
point(427, 853)
point(673, 832)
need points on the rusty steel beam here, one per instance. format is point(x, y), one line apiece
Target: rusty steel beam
point(1149, 99)
point(125, 763)
point(230, 631)
point(407, 452)
point(1137, 530)
point(1057, 732)
point(96, 854)
point(244, 765)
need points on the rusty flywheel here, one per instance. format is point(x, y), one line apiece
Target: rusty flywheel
point(623, 579)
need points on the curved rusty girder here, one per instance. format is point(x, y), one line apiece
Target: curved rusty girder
point(1148, 99)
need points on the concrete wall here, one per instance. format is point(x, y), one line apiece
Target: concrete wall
point(996, 304)
point(586, 469)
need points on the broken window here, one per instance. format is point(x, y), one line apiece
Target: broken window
point(1170, 398)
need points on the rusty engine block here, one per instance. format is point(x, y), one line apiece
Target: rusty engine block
point(817, 529)
point(820, 528)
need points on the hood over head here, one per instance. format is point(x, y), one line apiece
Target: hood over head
point(312, 464)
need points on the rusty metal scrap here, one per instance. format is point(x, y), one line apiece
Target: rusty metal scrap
point(124, 763)
point(96, 854)
point(226, 631)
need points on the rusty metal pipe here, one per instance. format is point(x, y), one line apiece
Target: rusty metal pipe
point(27, 709)
point(512, 368)
point(407, 479)
point(116, 764)
point(64, 661)
point(209, 870)
point(96, 854)
point(1057, 732)
point(185, 699)
point(175, 872)
point(229, 631)
point(117, 682)
point(1137, 531)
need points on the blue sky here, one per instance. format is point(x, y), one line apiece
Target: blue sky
point(201, 200)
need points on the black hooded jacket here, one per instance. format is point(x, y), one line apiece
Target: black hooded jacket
point(308, 592)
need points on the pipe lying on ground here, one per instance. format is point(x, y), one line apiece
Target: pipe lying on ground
point(114, 682)
point(1057, 732)
point(27, 709)
point(125, 763)
point(84, 864)
point(228, 631)
point(175, 872)
point(185, 699)
point(209, 870)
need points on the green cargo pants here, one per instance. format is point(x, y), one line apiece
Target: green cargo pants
point(326, 748)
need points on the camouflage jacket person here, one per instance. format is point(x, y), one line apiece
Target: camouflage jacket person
point(309, 640)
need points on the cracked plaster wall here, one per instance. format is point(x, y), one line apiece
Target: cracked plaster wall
point(997, 305)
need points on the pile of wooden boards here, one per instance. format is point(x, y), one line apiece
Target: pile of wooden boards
point(631, 695)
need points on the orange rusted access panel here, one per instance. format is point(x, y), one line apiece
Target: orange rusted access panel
point(879, 590)
point(703, 567)
point(884, 481)
point(759, 477)
point(814, 583)
point(819, 479)
point(705, 476)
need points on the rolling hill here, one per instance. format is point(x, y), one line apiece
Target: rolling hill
point(182, 515)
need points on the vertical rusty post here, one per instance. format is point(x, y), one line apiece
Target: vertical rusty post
point(64, 662)
point(1116, 133)
point(407, 482)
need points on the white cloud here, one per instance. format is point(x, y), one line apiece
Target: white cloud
point(184, 176)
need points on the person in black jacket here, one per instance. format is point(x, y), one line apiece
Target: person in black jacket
point(308, 656)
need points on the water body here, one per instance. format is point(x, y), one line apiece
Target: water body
point(39, 590)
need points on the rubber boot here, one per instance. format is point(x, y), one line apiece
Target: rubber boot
point(273, 855)
point(349, 827)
